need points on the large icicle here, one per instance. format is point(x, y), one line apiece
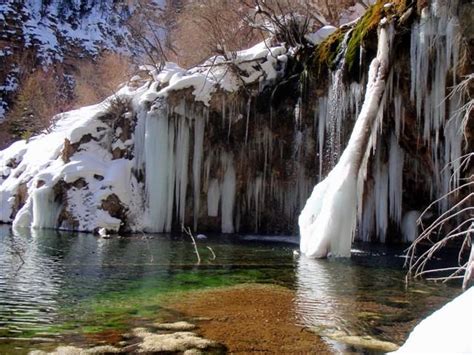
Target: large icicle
point(329, 216)
point(158, 155)
point(199, 125)
point(45, 209)
point(228, 194)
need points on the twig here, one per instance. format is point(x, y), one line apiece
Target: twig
point(213, 254)
point(187, 230)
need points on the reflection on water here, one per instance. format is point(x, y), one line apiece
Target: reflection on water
point(48, 279)
point(347, 298)
point(47, 275)
point(320, 283)
point(30, 282)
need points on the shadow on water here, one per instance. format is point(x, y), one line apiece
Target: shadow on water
point(57, 284)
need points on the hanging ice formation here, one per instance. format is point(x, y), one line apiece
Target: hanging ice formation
point(192, 147)
point(381, 176)
point(328, 219)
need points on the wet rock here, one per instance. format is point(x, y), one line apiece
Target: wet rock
point(366, 341)
point(177, 326)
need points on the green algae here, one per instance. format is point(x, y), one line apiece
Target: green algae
point(138, 302)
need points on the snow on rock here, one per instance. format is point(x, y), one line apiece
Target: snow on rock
point(39, 165)
point(74, 176)
point(449, 330)
point(320, 35)
point(328, 220)
point(260, 63)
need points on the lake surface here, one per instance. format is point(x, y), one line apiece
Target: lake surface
point(59, 287)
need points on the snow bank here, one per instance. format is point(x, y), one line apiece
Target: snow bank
point(449, 330)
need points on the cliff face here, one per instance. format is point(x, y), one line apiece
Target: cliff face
point(37, 34)
point(237, 146)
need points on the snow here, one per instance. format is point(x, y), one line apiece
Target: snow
point(320, 35)
point(449, 330)
point(328, 220)
point(256, 64)
point(39, 165)
point(169, 70)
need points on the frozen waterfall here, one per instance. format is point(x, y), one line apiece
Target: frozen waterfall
point(328, 219)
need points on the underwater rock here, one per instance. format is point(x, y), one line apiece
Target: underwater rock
point(363, 341)
point(181, 326)
point(179, 341)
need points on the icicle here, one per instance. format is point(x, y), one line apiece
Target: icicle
point(230, 117)
point(381, 197)
point(322, 107)
point(182, 162)
point(258, 200)
point(399, 114)
point(171, 176)
point(157, 155)
point(45, 209)
point(139, 138)
point(367, 221)
point(213, 197)
point(409, 226)
point(199, 126)
point(228, 194)
point(249, 101)
point(436, 35)
point(395, 173)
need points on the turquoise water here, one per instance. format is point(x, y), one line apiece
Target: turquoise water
point(58, 287)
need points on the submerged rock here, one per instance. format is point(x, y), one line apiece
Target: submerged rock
point(182, 326)
point(179, 341)
point(366, 342)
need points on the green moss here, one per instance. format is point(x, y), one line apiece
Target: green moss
point(368, 24)
point(327, 51)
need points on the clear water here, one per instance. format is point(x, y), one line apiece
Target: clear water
point(57, 287)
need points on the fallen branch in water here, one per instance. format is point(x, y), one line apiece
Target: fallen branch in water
point(187, 230)
point(213, 254)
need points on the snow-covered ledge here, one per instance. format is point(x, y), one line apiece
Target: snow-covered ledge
point(449, 330)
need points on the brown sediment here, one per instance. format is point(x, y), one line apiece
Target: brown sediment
point(250, 318)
